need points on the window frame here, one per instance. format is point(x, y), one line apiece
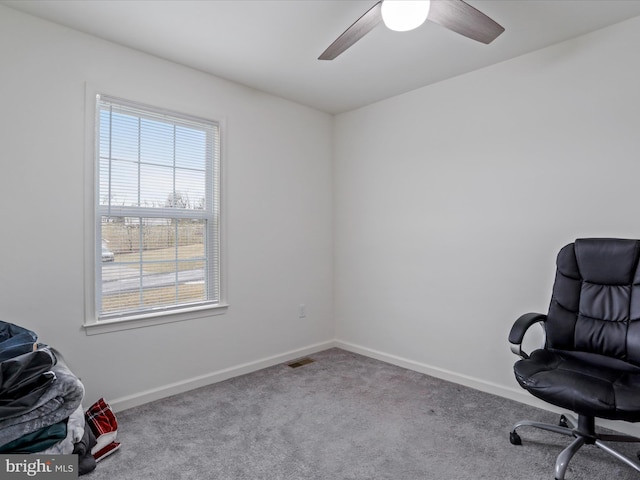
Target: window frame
point(93, 265)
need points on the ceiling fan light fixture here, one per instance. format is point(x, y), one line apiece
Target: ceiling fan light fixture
point(404, 15)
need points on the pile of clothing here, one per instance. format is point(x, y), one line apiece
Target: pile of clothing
point(41, 404)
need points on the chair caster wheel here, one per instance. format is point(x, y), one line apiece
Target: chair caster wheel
point(563, 422)
point(514, 438)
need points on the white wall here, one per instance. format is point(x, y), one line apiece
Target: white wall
point(452, 201)
point(279, 216)
point(449, 205)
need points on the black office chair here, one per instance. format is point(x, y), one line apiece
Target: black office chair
point(590, 363)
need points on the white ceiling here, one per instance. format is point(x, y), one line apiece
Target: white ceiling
point(273, 45)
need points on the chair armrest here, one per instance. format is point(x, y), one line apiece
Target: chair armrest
point(520, 327)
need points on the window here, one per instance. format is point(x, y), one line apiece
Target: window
point(157, 231)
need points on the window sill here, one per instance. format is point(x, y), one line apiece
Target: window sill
point(150, 319)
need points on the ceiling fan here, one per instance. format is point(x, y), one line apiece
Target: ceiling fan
point(402, 15)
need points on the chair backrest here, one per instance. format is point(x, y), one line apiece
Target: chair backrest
point(595, 306)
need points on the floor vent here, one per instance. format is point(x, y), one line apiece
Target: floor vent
point(301, 362)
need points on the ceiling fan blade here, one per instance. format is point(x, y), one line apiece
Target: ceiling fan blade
point(464, 19)
point(355, 32)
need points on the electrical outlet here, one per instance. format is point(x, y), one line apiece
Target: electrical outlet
point(302, 310)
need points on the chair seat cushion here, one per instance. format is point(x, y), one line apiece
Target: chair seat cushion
point(586, 383)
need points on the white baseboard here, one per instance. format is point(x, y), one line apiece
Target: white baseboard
point(476, 383)
point(168, 390)
point(516, 394)
point(511, 393)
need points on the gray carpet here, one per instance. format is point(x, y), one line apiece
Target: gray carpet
point(342, 417)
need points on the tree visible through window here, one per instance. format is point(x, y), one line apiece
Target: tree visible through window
point(157, 210)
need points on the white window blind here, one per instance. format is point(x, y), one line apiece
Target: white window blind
point(157, 210)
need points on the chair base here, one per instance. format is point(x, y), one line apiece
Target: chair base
point(583, 431)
